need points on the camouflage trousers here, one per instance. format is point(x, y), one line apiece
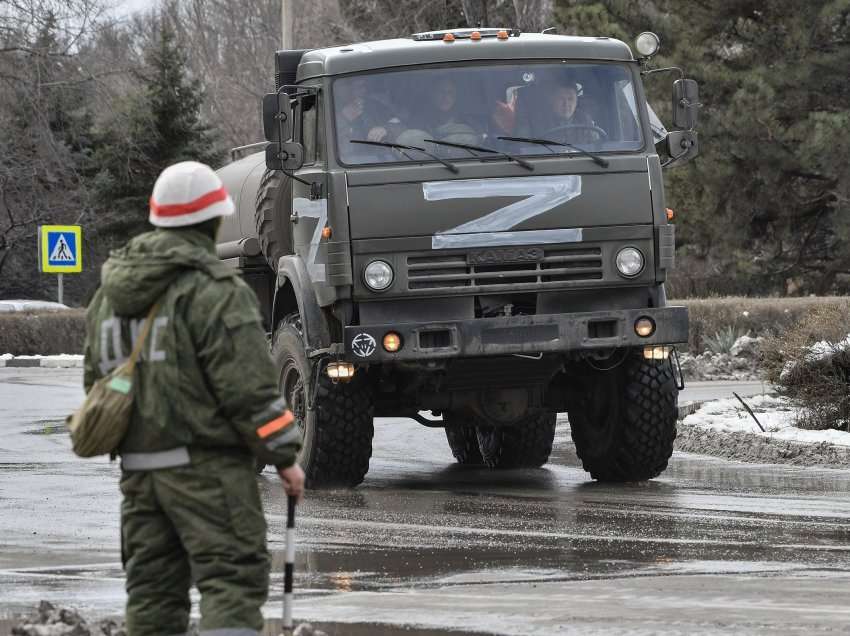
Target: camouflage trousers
point(201, 524)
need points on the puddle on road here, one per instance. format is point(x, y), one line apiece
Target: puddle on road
point(273, 628)
point(321, 571)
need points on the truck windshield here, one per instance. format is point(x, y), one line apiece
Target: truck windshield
point(584, 105)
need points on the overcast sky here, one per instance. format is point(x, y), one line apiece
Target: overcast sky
point(125, 7)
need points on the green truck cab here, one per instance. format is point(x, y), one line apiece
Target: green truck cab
point(469, 223)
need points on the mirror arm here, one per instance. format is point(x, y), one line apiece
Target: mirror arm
point(295, 95)
point(300, 92)
point(298, 179)
point(669, 69)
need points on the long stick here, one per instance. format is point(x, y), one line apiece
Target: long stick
point(750, 411)
point(289, 566)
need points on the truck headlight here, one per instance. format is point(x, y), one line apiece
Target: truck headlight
point(630, 262)
point(378, 275)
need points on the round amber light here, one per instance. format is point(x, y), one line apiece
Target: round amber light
point(392, 342)
point(645, 327)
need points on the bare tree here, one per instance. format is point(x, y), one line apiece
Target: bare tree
point(231, 44)
point(527, 15)
point(533, 15)
point(44, 128)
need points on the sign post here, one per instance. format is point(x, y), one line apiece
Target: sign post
point(60, 251)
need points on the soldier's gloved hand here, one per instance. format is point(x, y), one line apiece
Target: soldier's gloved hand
point(293, 480)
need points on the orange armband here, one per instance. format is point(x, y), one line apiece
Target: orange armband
point(275, 425)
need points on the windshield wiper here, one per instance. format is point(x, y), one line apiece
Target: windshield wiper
point(548, 142)
point(521, 162)
point(402, 147)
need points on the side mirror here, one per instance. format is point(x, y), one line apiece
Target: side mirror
point(277, 117)
point(685, 103)
point(681, 146)
point(288, 155)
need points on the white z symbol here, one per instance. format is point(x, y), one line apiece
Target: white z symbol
point(542, 194)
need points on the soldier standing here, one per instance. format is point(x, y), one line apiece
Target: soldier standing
point(205, 409)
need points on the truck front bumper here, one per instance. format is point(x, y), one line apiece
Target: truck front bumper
point(516, 334)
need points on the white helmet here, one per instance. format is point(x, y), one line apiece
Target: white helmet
point(188, 193)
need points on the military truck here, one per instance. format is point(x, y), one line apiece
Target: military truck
point(468, 228)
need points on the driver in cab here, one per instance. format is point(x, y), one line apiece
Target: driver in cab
point(562, 120)
point(361, 116)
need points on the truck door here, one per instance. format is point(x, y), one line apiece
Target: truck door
point(310, 195)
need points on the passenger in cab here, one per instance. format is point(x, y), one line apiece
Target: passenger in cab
point(444, 119)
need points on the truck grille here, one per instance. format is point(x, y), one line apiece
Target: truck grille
point(451, 270)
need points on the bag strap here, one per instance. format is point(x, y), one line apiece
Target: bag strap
point(146, 329)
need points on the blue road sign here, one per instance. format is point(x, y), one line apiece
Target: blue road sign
point(60, 249)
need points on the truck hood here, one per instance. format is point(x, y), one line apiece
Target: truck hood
point(529, 208)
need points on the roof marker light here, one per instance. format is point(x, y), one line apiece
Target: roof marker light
point(502, 35)
point(449, 37)
point(475, 35)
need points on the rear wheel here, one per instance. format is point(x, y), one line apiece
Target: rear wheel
point(623, 421)
point(337, 432)
point(526, 445)
point(463, 439)
point(273, 209)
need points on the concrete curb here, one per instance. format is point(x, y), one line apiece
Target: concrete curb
point(757, 449)
point(689, 408)
point(45, 362)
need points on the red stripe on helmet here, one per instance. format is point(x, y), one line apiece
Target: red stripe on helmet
point(178, 209)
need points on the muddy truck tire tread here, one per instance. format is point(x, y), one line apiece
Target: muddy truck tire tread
point(525, 446)
point(274, 231)
point(643, 425)
point(463, 439)
point(339, 429)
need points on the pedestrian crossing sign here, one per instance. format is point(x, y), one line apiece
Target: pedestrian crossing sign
point(60, 249)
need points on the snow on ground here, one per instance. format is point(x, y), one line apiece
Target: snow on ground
point(818, 352)
point(60, 361)
point(776, 415)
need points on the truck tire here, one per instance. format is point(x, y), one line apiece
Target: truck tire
point(525, 446)
point(463, 439)
point(337, 442)
point(623, 421)
point(273, 209)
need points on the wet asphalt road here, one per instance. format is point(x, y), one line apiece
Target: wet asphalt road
point(710, 547)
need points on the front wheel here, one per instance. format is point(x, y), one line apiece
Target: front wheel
point(337, 431)
point(623, 421)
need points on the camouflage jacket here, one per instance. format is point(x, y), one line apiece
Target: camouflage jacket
point(205, 377)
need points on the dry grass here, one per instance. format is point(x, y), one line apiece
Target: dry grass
point(47, 333)
point(755, 316)
point(820, 384)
